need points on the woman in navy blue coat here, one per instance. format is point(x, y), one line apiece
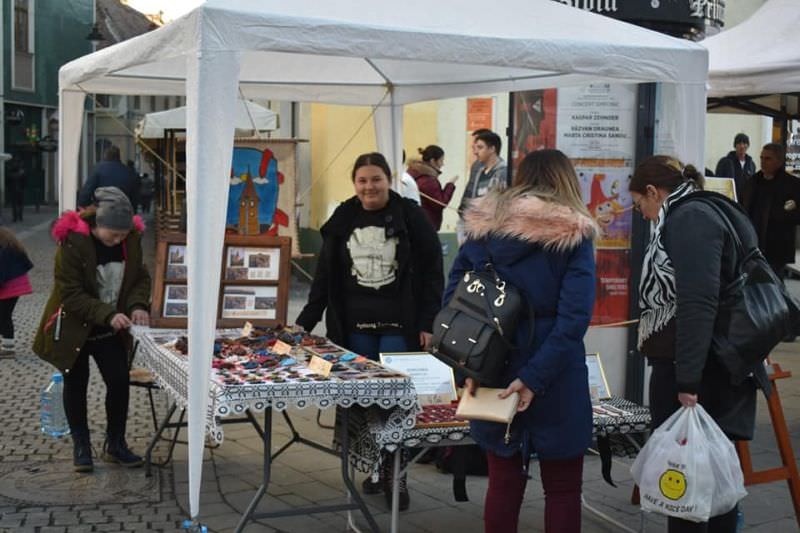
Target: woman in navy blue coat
point(538, 235)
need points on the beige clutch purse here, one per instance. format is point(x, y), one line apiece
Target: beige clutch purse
point(485, 405)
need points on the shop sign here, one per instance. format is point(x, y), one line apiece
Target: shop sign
point(693, 12)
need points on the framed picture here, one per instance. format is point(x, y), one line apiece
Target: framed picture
point(254, 285)
point(598, 386)
point(433, 380)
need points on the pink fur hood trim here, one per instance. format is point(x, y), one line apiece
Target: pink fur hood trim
point(74, 222)
point(529, 218)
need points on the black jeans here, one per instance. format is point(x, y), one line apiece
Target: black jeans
point(6, 312)
point(112, 360)
point(663, 403)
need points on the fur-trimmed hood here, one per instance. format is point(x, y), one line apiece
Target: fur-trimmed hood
point(81, 222)
point(530, 219)
point(418, 167)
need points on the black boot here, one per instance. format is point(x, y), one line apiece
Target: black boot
point(387, 468)
point(375, 486)
point(82, 452)
point(115, 450)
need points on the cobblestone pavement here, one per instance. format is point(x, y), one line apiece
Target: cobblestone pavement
point(40, 493)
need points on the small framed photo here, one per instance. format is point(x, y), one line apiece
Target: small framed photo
point(598, 385)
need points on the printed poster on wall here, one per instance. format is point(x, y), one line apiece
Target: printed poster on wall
point(597, 121)
point(534, 123)
point(480, 115)
point(604, 187)
point(611, 287)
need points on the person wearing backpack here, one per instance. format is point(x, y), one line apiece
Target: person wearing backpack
point(690, 257)
point(538, 238)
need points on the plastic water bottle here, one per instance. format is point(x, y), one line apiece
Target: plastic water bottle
point(53, 418)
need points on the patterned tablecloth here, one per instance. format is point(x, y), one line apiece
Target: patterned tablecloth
point(391, 401)
point(613, 418)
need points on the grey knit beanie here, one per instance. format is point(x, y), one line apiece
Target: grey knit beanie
point(114, 210)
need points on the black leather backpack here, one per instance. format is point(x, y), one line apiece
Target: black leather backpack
point(473, 332)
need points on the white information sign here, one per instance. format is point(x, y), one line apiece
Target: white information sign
point(432, 379)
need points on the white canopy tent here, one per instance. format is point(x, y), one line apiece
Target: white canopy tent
point(759, 56)
point(250, 117)
point(361, 52)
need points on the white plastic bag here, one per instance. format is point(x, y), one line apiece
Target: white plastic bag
point(688, 468)
point(725, 466)
point(673, 470)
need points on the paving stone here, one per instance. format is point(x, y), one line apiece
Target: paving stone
point(53, 529)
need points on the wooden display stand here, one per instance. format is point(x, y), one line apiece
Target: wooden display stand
point(254, 286)
point(789, 469)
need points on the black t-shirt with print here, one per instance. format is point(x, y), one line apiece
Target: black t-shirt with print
point(371, 277)
point(107, 255)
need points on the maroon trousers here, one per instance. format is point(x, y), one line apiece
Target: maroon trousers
point(561, 480)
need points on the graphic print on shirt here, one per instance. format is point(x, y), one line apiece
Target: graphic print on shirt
point(373, 256)
point(109, 281)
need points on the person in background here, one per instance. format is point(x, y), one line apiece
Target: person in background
point(408, 185)
point(426, 173)
point(737, 164)
point(15, 185)
point(101, 288)
point(14, 282)
point(147, 188)
point(772, 200)
point(538, 236)
point(110, 172)
point(379, 278)
point(488, 172)
point(690, 256)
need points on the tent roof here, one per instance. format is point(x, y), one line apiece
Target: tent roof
point(349, 53)
point(249, 116)
point(759, 56)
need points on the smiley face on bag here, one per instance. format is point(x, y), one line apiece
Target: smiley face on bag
point(672, 484)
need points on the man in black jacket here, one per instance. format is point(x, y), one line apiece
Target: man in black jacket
point(110, 172)
point(737, 164)
point(772, 200)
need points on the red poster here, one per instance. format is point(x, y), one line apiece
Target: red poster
point(479, 114)
point(611, 302)
point(534, 122)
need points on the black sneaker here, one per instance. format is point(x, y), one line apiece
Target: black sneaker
point(82, 454)
point(368, 486)
point(117, 451)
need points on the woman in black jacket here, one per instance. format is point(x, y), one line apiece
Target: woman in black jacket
point(690, 256)
point(379, 274)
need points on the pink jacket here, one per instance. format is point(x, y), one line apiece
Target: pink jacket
point(18, 286)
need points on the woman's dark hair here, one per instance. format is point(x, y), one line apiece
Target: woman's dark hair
point(431, 153)
point(8, 240)
point(372, 158)
point(664, 172)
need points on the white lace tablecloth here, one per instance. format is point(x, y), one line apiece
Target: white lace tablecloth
point(394, 398)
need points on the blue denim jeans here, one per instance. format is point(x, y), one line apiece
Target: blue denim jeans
point(370, 345)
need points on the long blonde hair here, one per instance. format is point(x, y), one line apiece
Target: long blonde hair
point(549, 175)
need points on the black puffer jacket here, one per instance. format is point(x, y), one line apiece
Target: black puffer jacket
point(730, 167)
point(704, 256)
point(419, 256)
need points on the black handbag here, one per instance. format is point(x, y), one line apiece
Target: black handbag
point(755, 310)
point(473, 332)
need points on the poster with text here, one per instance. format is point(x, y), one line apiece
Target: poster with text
point(534, 123)
point(604, 187)
point(597, 121)
point(611, 287)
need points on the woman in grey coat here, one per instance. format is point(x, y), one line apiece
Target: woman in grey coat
point(690, 257)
